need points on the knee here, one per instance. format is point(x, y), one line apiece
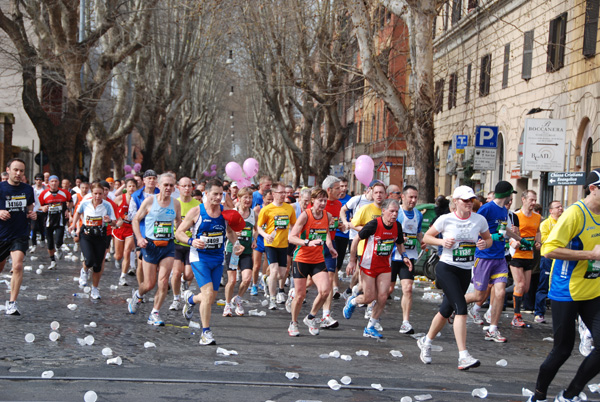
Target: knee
point(300, 296)
point(245, 282)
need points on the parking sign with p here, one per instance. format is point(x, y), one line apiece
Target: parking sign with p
point(486, 137)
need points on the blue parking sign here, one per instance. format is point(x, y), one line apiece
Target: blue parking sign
point(461, 141)
point(486, 137)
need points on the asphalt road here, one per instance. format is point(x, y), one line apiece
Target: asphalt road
point(179, 369)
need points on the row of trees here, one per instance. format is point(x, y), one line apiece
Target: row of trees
point(158, 68)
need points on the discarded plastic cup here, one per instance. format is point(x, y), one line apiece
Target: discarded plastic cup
point(335, 354)
point(41, 266)
point(346, 380)
point(89, 340)
point(55, 325)
point(527, 392)
point(346, 357)
point(362, 353)
point(54, 336)
point(225, 363)
point(33, 258)
point(193, 324)
point(479, 393)
point(396, 353)
point(39, 271)
point(27, 268)
point(107, 352)
point(290, 375)
point(264, 303)
point(324, 356)
point(378, 387)
point(87, 289)
point(114, 287)
point(334, 385)
point(90, 325)
point(115, 360)
point(548, 339)
point(424, 397)
point(594, 387)
point(29, 338)
point(406, 399)
point(502, 363)
point(41, 297)
point(90, 396)
point(149, 345)
point(48, 374)
point(225, 352)
point(436, 348)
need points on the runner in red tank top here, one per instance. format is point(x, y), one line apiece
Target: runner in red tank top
point(123, 234)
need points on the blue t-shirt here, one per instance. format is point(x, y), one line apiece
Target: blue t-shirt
point(15, 199)
point(339, 233)
point(494, 215)
point(257, 199)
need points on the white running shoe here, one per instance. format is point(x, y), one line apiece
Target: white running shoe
point(123, 281)
point(12, 308)
point(488, 315)
point(227, 310)
point(425, 350)
point(52, 265)
point(272, 304)
point(281, 298)
point(468, 362)
point(313, 325)
point(293, 329)
point(95, 293)
point(290, 299)
point(83, 278)
point(475, 315)
point(329, 323)
point(406, 328)
point(175, 306)
point(239, 308)
point(207, 338)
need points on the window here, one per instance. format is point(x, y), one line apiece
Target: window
point(591, 28)
point(556, 43)
point(484, 76)
point(456, 11)
point(506, 63)
point(452, 88)
point(439, 96)
point(527, 55)
point(468, 84)
point(472, 5)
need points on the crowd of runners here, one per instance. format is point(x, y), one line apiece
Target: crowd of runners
point(168, 232)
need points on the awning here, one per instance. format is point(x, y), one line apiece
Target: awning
point(476, 176)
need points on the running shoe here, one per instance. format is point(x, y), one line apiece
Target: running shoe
point(468, 362)
point(369, 311)
point(185, 285)
point(355, 290)
point(371, 332)
point(425, 350)
point(83, 278)
point(293, 329)
point(227, 310)
point(290, 299)
point(488, 315)
point(254, 290)
point(188, 308)
point(517, 321)
point(336, 293)
point(313, 325)
point(95, 293)
point(281, 297)
point(132, 270)
point(12, 308)
point(406, 328)
point(272, 304)
point(494, 336)
point(346, 294)
point(154, 319)
point(560, 398)
point(451, 318)
point(31, 249)
point(175, 306)
point(117, 265)
point(107, 258)
point(52, 265)
point(585, 344)
point(123, 281)
point(378, 326)
point(349, 308)
point(239, 308)
point(75, 247)
point(475, 315)
point(329, 323)
point(539, 319)
point(134, 302)
point(207, 338)
point(59, 254)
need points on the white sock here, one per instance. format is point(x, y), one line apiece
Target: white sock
point(476, 307)
point(463, 353)
point(493, 328)
point(427, 341)
point(372, 322)
point(154, 311)
point(326, 313)
point(176, 297)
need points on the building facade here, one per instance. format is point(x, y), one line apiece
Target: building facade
point(500, 62)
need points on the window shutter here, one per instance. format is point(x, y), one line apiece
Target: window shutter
point(527, 55)
point(590, 32)
point(506, 65)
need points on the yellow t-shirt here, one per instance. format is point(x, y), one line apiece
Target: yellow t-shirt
point(577, 229)
point(185, 208)
point(363, 216)
point(280, 218)
point(546, 227)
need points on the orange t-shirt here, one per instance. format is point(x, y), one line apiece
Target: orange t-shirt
point(312, 230)
point(528, 226)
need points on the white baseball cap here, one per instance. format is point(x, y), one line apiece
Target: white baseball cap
point(464, 193)
point(234, 184)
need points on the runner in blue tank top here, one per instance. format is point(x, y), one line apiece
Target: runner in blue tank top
point(210, 224)
point(161, 213)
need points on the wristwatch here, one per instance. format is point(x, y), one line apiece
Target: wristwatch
point(306, 241)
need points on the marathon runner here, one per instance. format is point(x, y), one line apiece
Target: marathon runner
point(257, 253)
point(37, 225)
point(123, 234)
point(341, 236)
point(55, 203)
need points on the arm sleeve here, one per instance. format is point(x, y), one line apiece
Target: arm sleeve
point(400, 239)
point(368, 230)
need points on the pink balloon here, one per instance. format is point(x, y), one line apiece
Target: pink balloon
point(363, 169)
point(213, 167)
point(137, 167)
point(129, 176)
point(127, 169)
point(234, 170)
point(213, 173)
point(251, 167)
point(244, 183)
point(206, 173)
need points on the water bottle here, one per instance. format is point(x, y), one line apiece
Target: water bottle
point(81, 295)
point(235, 259)
point(274, 233)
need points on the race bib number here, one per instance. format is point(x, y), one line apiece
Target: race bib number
point(55, 208)
point(246, 235)
point(281, 222)
point(411, 242)
point(17, 203)
point(317, 234)
point(465, 252)
point(593, 270)
point(502, 228)
point(527, 248)
point(163, 230)
point(93, 221)
point(213, 240)
point(384, 248)
point(335, 224)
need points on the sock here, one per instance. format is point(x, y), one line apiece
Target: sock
point(349, 291)
point(52, 258)
point(154, 311)
point(476, 307)
point(280, 290)
point(93, 287)
point(137, 294)
point(205, 329)
point(310, 316)
point(326, 313)
point(123, 275)
point(427, 341)
point(517, 301)
point(176, 297)
point(405, 322)
point(463, 353)
point(493, 328)
point(372, 322)
point(191, 300)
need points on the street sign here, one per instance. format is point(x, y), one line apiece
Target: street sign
point(544, 148)
point(515, 173)
point(410, 171)
point(485, 159)
point(486, 137)
point(566, 179)
point(383, 168)
point(461, 142)
point(38, 158)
